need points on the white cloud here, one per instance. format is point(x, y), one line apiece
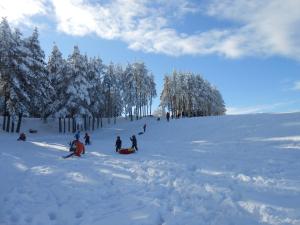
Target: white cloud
point(20, 12)
point(259, 27)
point(245, 110)
point(296, 86)
point(258, 108)
point(267, 27)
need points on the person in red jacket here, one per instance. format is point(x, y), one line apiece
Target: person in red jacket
point(79, 149)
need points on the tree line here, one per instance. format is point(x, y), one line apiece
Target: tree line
point(189, 94)
point(79, 90)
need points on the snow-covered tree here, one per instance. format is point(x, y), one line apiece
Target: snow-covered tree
point(57, 69)
point(38, 76)
point(15, 82)
point(152, 91)
point(96, 71)
point(77, 90)
point(7, 47)
point(74, 88)
point(128, 90)
point(187, 94)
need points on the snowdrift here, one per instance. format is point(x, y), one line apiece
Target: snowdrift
point(218, 170)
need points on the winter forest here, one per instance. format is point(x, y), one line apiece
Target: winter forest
point(188, 94)
point(81, 90)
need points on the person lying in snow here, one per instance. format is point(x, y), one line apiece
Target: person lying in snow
point(77, 148)
point(22, 137)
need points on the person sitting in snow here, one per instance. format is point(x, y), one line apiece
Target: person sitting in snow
point(134, 142)
point(118, 144)
point(22, 137)
point(73, 146)
point(79, 149)
point(87, 139)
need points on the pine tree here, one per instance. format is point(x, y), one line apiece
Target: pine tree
point(15, 72)
point(38, 74)
point(78, 86)
point(6, 64)
point(96, 70)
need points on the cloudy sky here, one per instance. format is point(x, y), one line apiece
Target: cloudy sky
point(249, 49)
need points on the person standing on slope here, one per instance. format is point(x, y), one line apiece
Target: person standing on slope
point(144, 128)
point(87, 139)
point(168, 116)
point(77, 135)
point(118, 144)
point(134, 142)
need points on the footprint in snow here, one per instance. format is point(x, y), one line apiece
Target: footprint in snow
point(28, 220)
point(52, 216)
point(79, 214)
point(14, 218)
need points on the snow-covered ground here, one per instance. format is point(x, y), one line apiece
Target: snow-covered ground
point(218, 171)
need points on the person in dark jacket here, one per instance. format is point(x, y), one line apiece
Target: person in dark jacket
point(22, 137)
point(168, 116)
point(134, 142)
point(87, 139)
point(118, 144)
point(144, 128)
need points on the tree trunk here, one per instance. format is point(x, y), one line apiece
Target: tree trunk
point(59, 125)
point(64, 124)
point(8, 123)
point(19, 123)
point(69, 124)
point(147, 111)
point(93, 126)
point(150, 106)
point(73, 125)
point(4, 121)
point(4, 110)
point(85, 127)
point(89, 124)
point(12, 125)
point(101, 121)
point(98, 121)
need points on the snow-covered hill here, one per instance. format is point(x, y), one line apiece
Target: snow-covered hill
point(217, 170)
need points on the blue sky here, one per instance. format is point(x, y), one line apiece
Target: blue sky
point(250, 50)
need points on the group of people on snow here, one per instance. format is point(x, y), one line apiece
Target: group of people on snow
point(77, 148)
point(133, 143)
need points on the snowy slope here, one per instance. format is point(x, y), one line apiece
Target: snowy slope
point(217, 170)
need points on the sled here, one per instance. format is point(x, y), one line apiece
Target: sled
point(126, 150)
